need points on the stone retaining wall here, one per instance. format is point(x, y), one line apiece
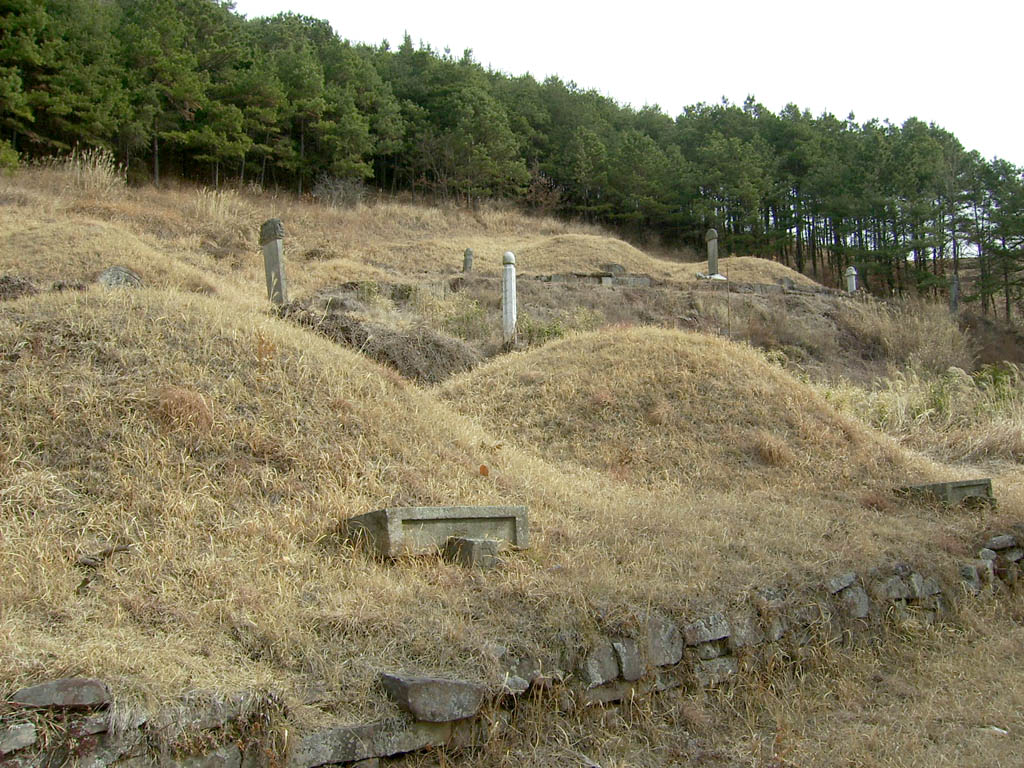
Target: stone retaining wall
point(707, 651)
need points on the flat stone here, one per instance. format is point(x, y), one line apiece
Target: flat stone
point(1007, 572)
point(892, 588)
point(68, 692)
point(664, 642)
point(126, 749)
point(620, 690)
point(630, 661)
point(713, 627)
point(346, 744)
point(977, 574)
point(601, 666)
point(716, 671)
point(854, 602)
point(613, 269)
point(711, 650)
point(746, 631)
point(1014, 555)
point(1006, 541)
point(472, 553)
point(840, 582)
point(423, 530)
point(987, 554)
point(769, 600)
point(113, 277)
point(434, 699)
point(17, 737)
point(515, 685)
point(229, 756)
point(955, 492)
point(923, 586)
point(370, 762)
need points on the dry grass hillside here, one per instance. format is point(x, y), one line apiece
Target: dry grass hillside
point(177, 463)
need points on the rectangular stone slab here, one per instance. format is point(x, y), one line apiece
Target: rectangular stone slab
point(955, 492)
point(422, 530)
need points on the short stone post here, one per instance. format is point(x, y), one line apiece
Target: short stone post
point(851, 279)
point(711, 238)
point(272, 240)
point(508, 299)
point(467, 260)
point(954, 294)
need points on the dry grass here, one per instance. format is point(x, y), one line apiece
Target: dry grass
point(224, 448)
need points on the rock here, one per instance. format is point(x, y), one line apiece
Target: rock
point(713, 627)
point(977, 574)
point(370, 762)
point(613, 269)
point(922, 587)
point(124, 749)
point(68, 692)
point(630, 661)
point(854, 602)
point(17, 737)
point(664, 642)
point(349, 743)
point(1008, 572)
point(987, 554)
point(893, 588)
point(840, 582)
point(472, 553)
point(434, 699)
point(1014, 555)
point(619, 690)
point(746, 632)
point(515, 685)
point(229, 756)
point(769, 600)
point(112, 277)
point(601, 666)
point(1006, 541)
point(711, 650)
point(716, 671)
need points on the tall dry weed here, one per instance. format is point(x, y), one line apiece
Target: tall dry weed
point(94, 171)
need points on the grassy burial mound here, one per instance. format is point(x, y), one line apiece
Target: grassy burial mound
point(750, 269)
point(659, 407)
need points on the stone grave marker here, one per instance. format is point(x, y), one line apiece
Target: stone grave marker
point(467, 260)
point(272, 241)
point(851, 279)
point(422, 530)
point(508, 299)
point(711, 237)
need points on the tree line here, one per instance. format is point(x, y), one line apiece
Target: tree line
point(190, 87)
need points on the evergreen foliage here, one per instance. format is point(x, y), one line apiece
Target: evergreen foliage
point(192, 88)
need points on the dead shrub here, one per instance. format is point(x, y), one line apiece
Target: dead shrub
point(183, 409)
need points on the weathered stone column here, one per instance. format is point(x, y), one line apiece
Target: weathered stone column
point(508, 299)
point(851, 279)
point(467, 260)
point(711, 238)
point(272, 240)
point(954, 294)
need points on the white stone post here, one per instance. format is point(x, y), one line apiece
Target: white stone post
point(508, 299)
point(467, 260)
point(711, 238)
point(272, 240)
point(851, 279)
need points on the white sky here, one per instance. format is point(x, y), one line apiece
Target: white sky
point(957, 64)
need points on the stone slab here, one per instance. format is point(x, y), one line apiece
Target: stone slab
point(348, 743)
point(399, 531)
point(854, 602)
point(630, 661)
point(707, 629)
point(68, 692)
point(664, 642)
point(840, 582)
point(999, 543)
point(472, 553)
point(954, 492)
point(434, 699)
point(229, 756)
point(17, 736)
point(601, 665)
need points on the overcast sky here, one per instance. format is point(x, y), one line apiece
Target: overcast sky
point(957, 64)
